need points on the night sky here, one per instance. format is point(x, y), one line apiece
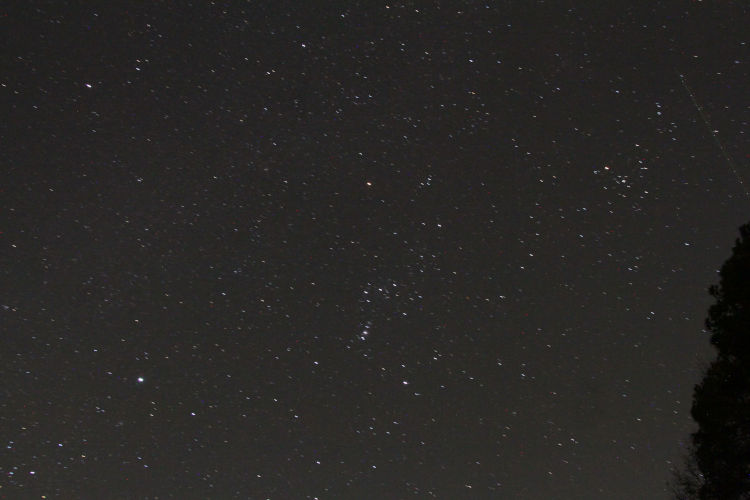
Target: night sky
point(362, 250)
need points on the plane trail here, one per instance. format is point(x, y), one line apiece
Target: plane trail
point(715, 136)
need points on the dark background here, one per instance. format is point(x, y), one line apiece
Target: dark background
point(363, 249)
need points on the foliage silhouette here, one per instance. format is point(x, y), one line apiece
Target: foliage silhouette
point(719, 463)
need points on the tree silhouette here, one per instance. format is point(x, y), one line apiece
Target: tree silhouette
point(719, 462)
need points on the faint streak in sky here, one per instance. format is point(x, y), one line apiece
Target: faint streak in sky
point(713, 133)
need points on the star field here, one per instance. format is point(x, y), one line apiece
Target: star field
point(374, 250)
